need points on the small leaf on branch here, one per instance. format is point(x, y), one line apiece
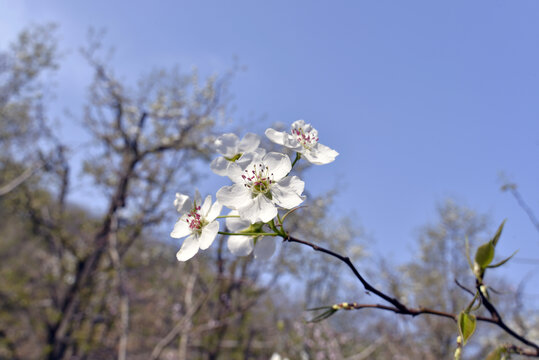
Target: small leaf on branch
point(499, 353)
point(502, 262)
point(498, 233)
point(484, 255)
point(466, 323)
point(329, 310)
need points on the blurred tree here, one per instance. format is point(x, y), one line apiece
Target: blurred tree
point(23, 70)
point(441, 261)
point(147, 142)
point(84, 285)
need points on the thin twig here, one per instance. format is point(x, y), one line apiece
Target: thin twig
point(464, 288)
point(10, 186)
point(158, 349)
point(400, 308)
point(499, 321)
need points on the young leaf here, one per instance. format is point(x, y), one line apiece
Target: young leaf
point(484, 255)
point(466, 323)
point(497, 354)
point(323, 315)
point(503, 261)
point(498, 233)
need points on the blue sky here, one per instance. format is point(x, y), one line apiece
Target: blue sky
point(424, 100)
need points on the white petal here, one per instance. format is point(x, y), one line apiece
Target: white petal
point(265, 247)
point(275, 136)
point(260, 152)
point(214, 211)
point(283, 138)
point(279, 164)
point(249, 143)
point(188, 250)
point(298, 124)
point(240, 245)
point(209, 232)
point(227, 144)
point(235, 224)
point(320, 155)
point(198, 198)
point(234, 196)
point(205, 207)
point(181, 228)
point(181, 203)
point(287, 192)
point(250, 157)
point(291, 141)
point(219, 166)
point(261, 209)
point(235, 170)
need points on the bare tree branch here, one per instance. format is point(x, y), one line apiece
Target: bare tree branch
point(400, 308)
point(26, 174)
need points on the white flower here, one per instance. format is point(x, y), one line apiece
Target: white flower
point(276, 356)
point(303, 138)
point(232, 149)
point(199, 222)
point(182, 203)
point(240, 245)
point(260, 186)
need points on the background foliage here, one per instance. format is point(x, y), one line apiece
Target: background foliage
point(81, 285)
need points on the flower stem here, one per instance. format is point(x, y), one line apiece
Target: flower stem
point(227, 216)
point(298, 156)
point(249, 234)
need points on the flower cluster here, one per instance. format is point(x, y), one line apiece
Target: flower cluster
point(262, 185)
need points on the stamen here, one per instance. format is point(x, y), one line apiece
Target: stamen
point(261, 180)
point(307, 140)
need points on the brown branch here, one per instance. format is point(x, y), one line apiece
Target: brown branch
point(10, 186)
point(499, 321)
point(85, 267)
point(176, 330)
point(464, 288)
point(348, 262)
point(122, 291)
point(520, 200)
point(402, 309)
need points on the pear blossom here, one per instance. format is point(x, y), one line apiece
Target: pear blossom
point(276, 356)
point(303, 138)
point(182, 203)
point(198, 221)
point(232, 149)
point(261, 186)
point(242, 245)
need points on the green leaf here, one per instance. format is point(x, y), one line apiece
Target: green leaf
point(503, 261)
point(253, 228)
point(484, 255)
point(466, 323)
point(497, 354)
point(323, 315)
point(498, 233)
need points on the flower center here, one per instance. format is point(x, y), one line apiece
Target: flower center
point(258, 180)
point(195, 220)
point(307, 140)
